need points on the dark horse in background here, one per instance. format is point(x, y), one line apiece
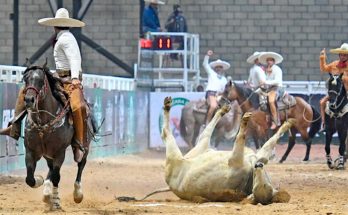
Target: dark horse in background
point(306, 116)
point(336, 119)
point(48, 133)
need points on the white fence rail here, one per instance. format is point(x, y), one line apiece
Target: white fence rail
point(13, 74)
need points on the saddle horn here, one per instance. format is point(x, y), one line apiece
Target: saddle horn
point(27, 62)
point(45, 64)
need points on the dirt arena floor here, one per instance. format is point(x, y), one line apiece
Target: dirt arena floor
point(313, 188)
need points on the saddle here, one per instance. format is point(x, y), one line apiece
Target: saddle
point(284, 100)
point(201, 106)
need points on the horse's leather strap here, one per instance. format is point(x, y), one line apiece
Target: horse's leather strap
point(63, 73)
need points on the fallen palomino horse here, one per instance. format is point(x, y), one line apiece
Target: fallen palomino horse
point(204, 174)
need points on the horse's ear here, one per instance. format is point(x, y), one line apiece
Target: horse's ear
point(330, 75)
point(45, 64)
point(230, 83)
point(27, 62)
point(341, 76)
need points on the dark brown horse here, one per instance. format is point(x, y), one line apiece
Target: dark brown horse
point(306, 116)
point(48, 133)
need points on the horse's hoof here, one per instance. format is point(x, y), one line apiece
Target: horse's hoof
point(78, 194)
point(281, 161)
point(39, 180)
point(305, 160)
point(167, 103)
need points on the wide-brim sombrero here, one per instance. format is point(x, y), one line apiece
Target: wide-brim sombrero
point(341, 50)
point(265, 55)
point(61, 19)
point(225, 65)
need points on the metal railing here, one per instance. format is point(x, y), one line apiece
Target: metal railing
point(13, 74)
point(155, 69)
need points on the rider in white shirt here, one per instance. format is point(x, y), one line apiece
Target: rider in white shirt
point(216, 82)
point(274, 80)
point(256, 73)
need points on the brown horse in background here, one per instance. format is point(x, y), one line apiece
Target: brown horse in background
point(306, 116)
point(193, 117)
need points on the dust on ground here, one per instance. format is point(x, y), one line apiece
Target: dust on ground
point(313, 188)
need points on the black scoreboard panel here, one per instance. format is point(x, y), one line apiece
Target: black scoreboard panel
point(162, 43)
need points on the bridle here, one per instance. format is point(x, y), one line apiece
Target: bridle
point(334, 105)
point(41, 95)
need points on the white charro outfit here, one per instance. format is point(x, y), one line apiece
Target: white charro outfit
point(67, 53)
point(216, 82)
point(275, 78)
point(256, 73)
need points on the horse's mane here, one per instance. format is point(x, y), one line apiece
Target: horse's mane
point(247, 93)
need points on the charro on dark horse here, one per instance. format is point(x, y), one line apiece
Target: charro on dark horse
point(336, 119)
point(48, 133)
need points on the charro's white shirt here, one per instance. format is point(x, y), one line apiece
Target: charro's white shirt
point(215, 82)
point(275, 78)
point(256, 76)
point(67, 53)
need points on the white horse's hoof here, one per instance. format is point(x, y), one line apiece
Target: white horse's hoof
point(47, 191)
point(78, 195)
point(39, 180)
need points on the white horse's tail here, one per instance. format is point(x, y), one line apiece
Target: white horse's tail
point(127, 198)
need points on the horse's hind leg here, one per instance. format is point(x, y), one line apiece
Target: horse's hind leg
point(78, 194)
point(265, 152)
point(30, 162)
point(291, 144)
point(204, 137)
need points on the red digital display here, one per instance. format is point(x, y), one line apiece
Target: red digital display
point(162, 43)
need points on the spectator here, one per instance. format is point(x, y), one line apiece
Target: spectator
point(176, 22)
point(151, 21)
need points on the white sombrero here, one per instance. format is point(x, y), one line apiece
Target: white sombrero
point(61, 20)
point(223, 64)
point(251, 59)
point(154, 1)
point(277, 57)
point(341, 50)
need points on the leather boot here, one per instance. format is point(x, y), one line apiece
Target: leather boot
point(79, 118)
point(274, 117)
point(14, 128)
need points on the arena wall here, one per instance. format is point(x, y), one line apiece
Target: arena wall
point(123, 117)
point(298, 29)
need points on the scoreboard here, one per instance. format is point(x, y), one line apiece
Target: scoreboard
point(158, 43)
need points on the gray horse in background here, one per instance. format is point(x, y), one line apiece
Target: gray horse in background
point(193, 117)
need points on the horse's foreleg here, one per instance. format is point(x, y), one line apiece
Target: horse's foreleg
point(55, 178)
point(291, 144)
point(48, 186)
point(265, 152)
point(30, 162)
point(78, 194)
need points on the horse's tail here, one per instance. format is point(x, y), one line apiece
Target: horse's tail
point(316, 123)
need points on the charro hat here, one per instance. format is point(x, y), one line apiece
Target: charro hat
point(61, 19)
point(265, 55)
point(341, 50)
point(154, 1)
point(251, 59)
point(223, 64)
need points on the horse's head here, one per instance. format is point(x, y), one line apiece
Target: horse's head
point(36, 85)
point(337, 92)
